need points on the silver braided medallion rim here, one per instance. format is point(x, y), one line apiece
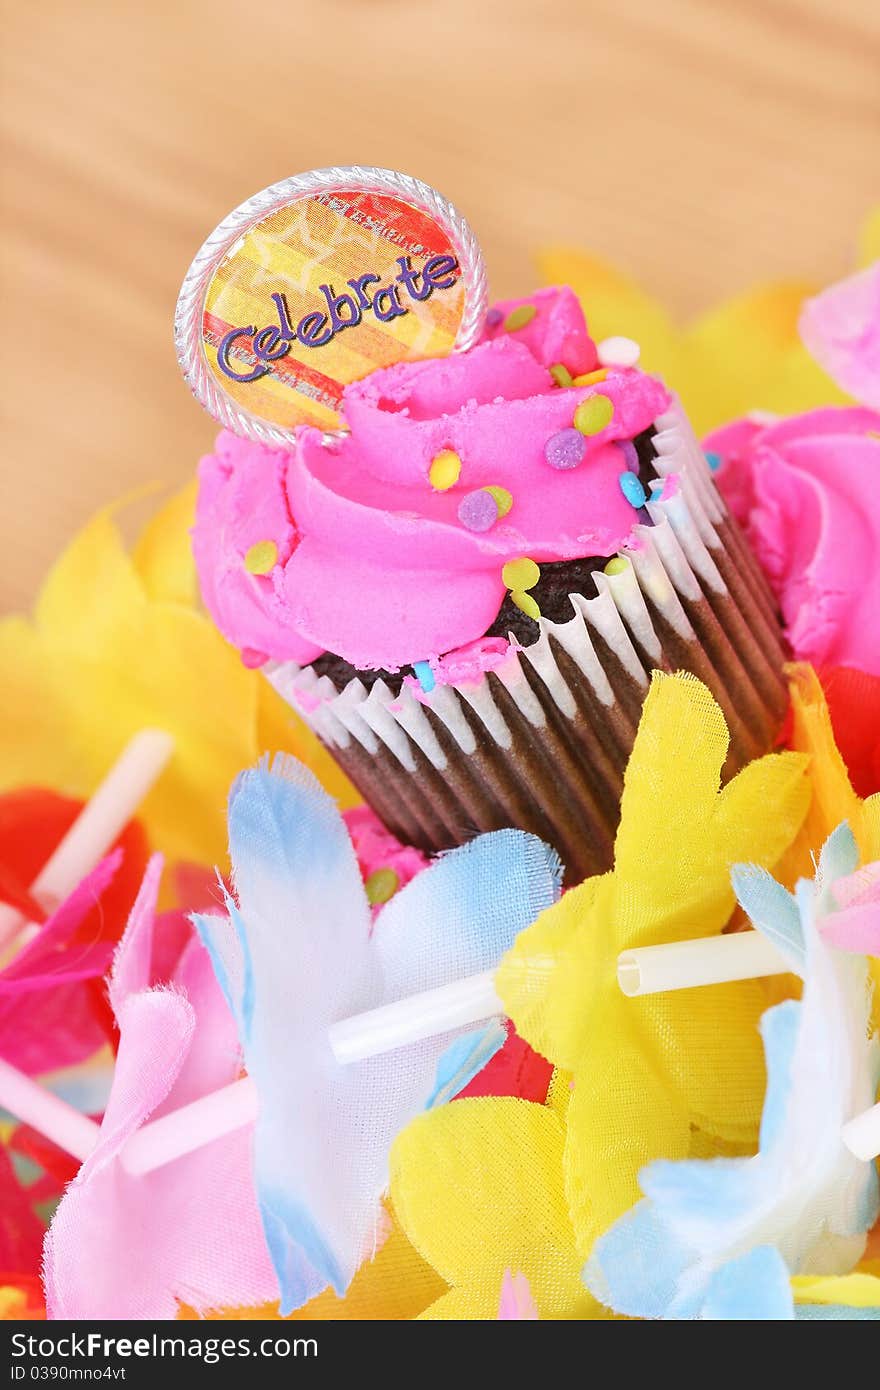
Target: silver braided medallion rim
point(352, 177)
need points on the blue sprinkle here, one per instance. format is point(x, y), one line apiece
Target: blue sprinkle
point(714, 461)
point(632, 490)
point(425, 675)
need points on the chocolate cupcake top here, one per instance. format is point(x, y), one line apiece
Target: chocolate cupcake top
point(400, 541)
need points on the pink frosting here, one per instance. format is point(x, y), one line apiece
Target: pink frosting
point(806, 490)
point(376, 848)
point(373, 563)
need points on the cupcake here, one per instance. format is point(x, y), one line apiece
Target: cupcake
point(464, 595)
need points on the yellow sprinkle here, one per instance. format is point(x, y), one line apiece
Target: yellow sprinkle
point(617, 565)
point(519, 317)
point(445, 470)
point(590, 378)
point(520, 574)
point(502, 498)
point(560, 374)
point(526, 603)
point(381, 885)
point(593, 414)
point(261, 558)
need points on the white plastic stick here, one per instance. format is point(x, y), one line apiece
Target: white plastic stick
point(470, 1000)
point(96, 827)
point(862, 1134)
point(232, 1107)
point(711, 960)
point(191, 1127)
point(54, 1118)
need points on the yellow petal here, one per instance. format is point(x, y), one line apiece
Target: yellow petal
point(103, 659)
point(557, 972)
point(622, 1115)
point(833, 798)
point(848, 1290)
point(614, 304)
point(477, 1187)
point(163, 554)
point(707, 1043)
point(739, 347)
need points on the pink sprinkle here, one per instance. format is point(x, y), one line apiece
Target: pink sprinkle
point(251, 658)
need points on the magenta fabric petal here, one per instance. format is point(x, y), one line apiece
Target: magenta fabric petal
point(125, 1247)
point(47, 1020)
point(841, 328)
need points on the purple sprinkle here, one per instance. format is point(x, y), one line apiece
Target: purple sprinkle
point(630, 454)
point(565, 449)
point(493, 318)
point(478, 511)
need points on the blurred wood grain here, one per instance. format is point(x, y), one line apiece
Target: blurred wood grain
point(701, 145)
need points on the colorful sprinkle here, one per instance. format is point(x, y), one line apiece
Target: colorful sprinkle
point(445, 470)
point(617, 565)
point(714, 460)
point(560, 374)
point(493, 318)
point(503, 498)
point(424, 675)
point(381, 885)
point(519, 317)
point(593, 414)
point(630, 454)
point(618, 352)
point(590, 378)
point(520, 574)
point(565, 449)
point(478, 511)
point(632, 490)
point(526, 604)
point(261, 558)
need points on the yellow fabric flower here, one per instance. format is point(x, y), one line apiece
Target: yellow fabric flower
point(846, 1290)
point(116, 643)
point(478, 1187)
point(743, 355)
point(672, 1074)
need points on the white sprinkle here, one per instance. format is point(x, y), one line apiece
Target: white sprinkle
point(619, 352)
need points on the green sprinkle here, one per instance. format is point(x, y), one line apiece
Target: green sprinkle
point(560, 374)
point(526, 604)
point(617, 565)
point(261, 557)
point(593, 414)
point(519, 317)
point(503, 499)
point(381, 885)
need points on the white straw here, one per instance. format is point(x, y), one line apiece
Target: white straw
point(711, 960)
point(466, 1001)
point(862, 1135)
point(54, 1118)
point(98, 824)
point(191, 1127)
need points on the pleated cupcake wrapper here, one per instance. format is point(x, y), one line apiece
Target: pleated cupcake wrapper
point(542, 742)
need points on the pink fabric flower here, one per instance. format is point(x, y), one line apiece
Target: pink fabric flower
point(135, 1247)
point(841, 328)
point(806, 491)
point(47, 1020)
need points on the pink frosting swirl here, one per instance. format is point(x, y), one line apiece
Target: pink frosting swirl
point(806, 491)
point(375, 564)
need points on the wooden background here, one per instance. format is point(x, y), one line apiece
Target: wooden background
point(701, 144)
